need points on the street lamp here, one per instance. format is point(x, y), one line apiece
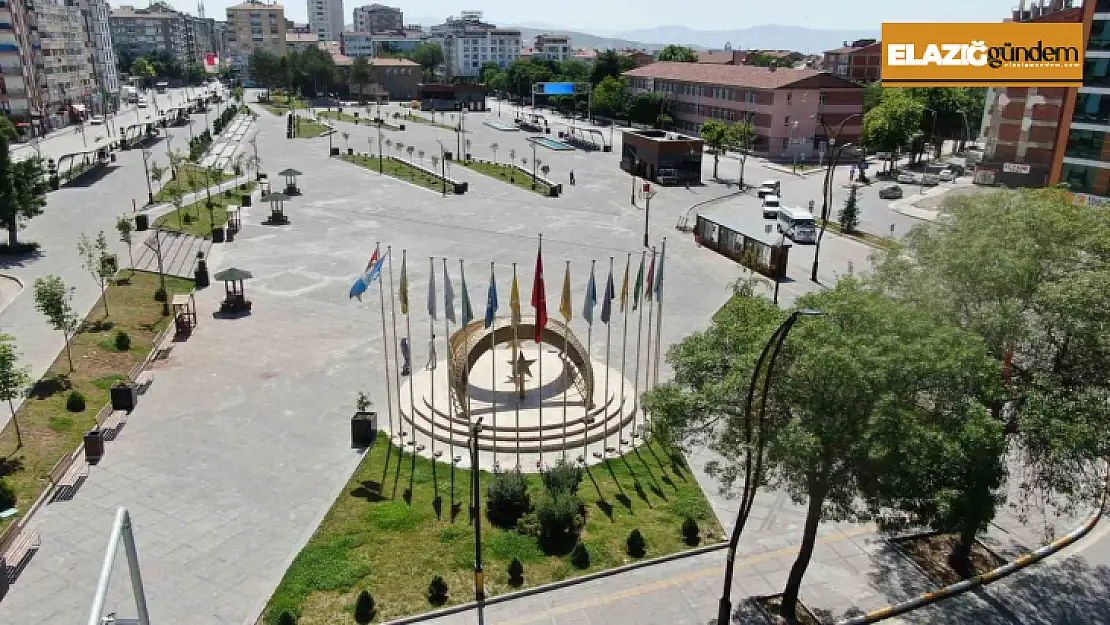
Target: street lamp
point(826, 198)
point(257, 163)
point(146, 170)
point(476, 511)
point(790, 145)
point(928, 151)
point(647, 212)
point(380, 144)
point(752, 474)
point(533, 164)
point(169, 154)
point(442, 164)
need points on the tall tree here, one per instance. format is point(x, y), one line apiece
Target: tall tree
point(610, 64)
point(13, 380)
point(142, 68)
point(428, 55)
point(609, 96)
point(360, 75)
point(93, 255)
point(681, 54)
point(743, 141)
point(849, 213)
point(717, 138)
point(893, 124)
point(55, 301)
point(23, 187)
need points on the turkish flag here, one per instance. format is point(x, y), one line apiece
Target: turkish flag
point(539, 299)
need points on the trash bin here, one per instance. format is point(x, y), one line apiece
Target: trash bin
point(94, 445)
point(218, 235)
point(142, 222)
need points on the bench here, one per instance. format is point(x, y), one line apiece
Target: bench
point(143, 380)
point(18, 552)
point(66, 485)
point(113, 424)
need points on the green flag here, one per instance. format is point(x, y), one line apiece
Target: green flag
point(639, 284)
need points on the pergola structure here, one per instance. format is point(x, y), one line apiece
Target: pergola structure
point(234, 220)
point(277, 209)
point(235, 300)
point(291, 181)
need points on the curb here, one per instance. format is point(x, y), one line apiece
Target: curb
point(990, 576)
point(536, 590)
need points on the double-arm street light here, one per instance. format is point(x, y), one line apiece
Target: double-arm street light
point(380, 165)
point(826, 199)
point(755, 436)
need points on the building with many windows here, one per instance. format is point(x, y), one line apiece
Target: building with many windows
point(299, 42)
point(378, 18)
point(19, 94)
point(325, 18)
point(468, 43)
point(254, 26)
point(99, 33)
point(374, 44)
point(142, 32)
point(860, 60)
point(66, 72)
point(791, 111)
point(551, 48)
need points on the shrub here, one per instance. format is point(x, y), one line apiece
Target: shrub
point(437, 591)
point(123, 342)
point(507, 498)
point(7, 500)
point(564, 477)
point(516, 573)
point(636, 544)
point(364, 608)
point(286, 619)
point(528, 525)
point(560, 519)
point(580, 557)
point(75, 402)
point(690, 532)
point(160, 295)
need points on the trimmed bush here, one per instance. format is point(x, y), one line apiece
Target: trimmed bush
point(75, 402)
point(580, 557)
point(123, 342)
point(516, 573)
point(364, 608)
point(690, 532)
point(529, 525)
point(286, 619)
point(437, 591)
point(560, 519)
point(507, 498)
point(636, 544)
point(7, 500)
point(564, 477)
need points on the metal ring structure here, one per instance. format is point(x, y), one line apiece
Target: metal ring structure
point(470, 342)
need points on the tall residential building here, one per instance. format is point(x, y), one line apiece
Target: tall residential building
point(67, 76)
point(551, 48)
point(20, 98)
point(200, 37)
point(99, 35)
point(378, 18)
point(325, 17)
point(254, 26)
point(141, 32)
point(786, 107)
point(468, 43)
point(356, 44)
point(860, 60)
point(1037, 136)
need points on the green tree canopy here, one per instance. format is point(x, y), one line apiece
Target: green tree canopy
point(609, 97)
point(894, 123)
point(428, 55)
point(610, 64)
point(681, 54)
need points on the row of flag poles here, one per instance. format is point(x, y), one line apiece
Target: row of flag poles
point(648, 285)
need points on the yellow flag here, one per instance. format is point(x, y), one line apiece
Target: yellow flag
point(624, 284)
point(564, 303)
point(514, 301)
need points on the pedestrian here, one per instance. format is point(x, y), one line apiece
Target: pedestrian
point(431, 364)
point(852, 174)
point(572, 177)
point(405, 369)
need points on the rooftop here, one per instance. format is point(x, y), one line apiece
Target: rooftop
point(256, 6)
point(291, 37)
point(386, 62)
point(732, 75)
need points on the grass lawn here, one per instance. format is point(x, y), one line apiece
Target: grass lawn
point(200, 225)
point(343, 117)
point(399, 170)
point(308, 129)
point(189, 178)
point(413, 117)
point(869, 239)
point(508, 175)
point(378, 538)
point(49, 430)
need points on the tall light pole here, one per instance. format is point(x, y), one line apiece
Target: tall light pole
point(790, 146)
point(146, 170)
point(533, 164)
point(442, 164)
point(827, 189)
point(380, 166)
point(476, 512)
point(754, 436)
point(928, 150)
point(647, 213)
point(169, 155)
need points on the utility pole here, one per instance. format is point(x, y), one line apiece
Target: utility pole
point(146, 170)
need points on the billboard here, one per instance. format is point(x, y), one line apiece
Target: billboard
point(554, 88)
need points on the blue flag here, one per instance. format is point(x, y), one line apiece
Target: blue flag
point(607, 300)
point(372, 272)
point(591, 299)
point(491, 299)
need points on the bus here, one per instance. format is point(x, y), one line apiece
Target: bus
point(798, 224)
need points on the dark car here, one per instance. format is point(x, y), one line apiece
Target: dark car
point(891, 192)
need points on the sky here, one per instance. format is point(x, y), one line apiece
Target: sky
point(613, 16)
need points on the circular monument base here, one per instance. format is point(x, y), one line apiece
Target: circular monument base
point(550, 421)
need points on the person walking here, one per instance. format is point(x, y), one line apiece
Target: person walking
point(572, 177)
point(405, 370)
point(852, 174)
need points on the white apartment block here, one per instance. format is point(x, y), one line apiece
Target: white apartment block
point(325, 18)
point(552, 48)
point(377, 18)
point(19, 93)
point(99, 32)
point(254, 26)
point(67, 76)
point(468, 43)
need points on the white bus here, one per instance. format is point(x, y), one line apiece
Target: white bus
point(798, 224)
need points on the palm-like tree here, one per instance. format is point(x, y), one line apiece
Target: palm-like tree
point(493, 147)
point(435, 161)
point(467, 147)
point(388, 143)
point(360, 74)
point(409, 150)
point(398, 146)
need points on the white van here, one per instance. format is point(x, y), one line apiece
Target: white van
point(771, 206)
point(798, 224)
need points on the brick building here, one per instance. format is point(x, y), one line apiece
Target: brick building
point(786, 107)
point(861, 60)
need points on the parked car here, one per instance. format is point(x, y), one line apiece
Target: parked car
point(946, 175)
point(142, 102)
point(769, 187)
point(906, 178)
point(96, 120)
point(890, 192)
point(957, 169)
point(930, 180)
point(770, 206)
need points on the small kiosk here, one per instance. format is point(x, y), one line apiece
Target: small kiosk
point(291, 181)
point(235, 300)
point(277, 209)
point(184, 313)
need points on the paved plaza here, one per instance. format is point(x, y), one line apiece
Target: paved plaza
point(242, 442)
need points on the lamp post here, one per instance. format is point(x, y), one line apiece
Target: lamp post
point(790, 146)
point(257, 163)
point(533, 165)
point(753, 467)
point(146, 170)
point(476, 512)
point(169, 154)
point(380, 166)
point(442, 164)
point(826, 198)
point(647, 212)
point(928, 151)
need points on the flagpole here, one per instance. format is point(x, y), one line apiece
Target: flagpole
point(566, 375)
point(639, 334)
point(624, 350)
point(432, 333)
point(659, 317)
point(408, 337)
point(396, 351)
point(466, 357)
point(385, 346)
point(493, 366)
point(539, 344)
point(608, 342)
point(589, 364)
point(518, 378)
point(647, 357)
point(450, 404)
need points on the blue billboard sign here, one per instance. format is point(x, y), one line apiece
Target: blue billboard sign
point(555, 88)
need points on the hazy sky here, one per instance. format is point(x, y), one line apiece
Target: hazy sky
point(612, 16)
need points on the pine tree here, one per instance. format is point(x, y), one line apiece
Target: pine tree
point(849, 215)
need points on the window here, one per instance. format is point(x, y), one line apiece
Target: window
point(788, 94)
point(785, 143)
point(1083, 179)
point(1096, 73)
point(1092, 108)
point(1100, 35)
point(1085, 144)
point(786, 122)
point(822, 98)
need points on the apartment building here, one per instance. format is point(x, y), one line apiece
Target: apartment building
point(357, 44)
point(325, 18)
point(1037, 136)
point(141, 32)
point(299, 42)
point(378, 18)
point(99, 33)
point(200, 37)
point(468, 43)
point(19, 94)
point(861, 60)
point(254, 26)
point(551, 48)
point(66, 72)
point(790, 110)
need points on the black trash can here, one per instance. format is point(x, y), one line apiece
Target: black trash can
point(364, 426)
point(247, 199)
point(124, 396)
point(218, 235)
point(335, 152)
point(94, 445)
point(142, 222)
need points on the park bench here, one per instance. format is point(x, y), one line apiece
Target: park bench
point(15, 554)
point(113, 424)
point(67, 476)
point(143, 380)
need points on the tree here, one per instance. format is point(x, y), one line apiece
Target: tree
point(743, 141)
point(849, 215)
point(360, 75)
point(364, 608)
point(156, 172)
point(489, 70)
point(428, 55)
point(493, 148)
point(609, 96)
point(13, 380)
point(681, 54)
point(1029, 273)
point(717, 137)
point(55, 301)
point(142, 69)
point(873, 95)
point(849, 389)
point(194, 74)
point(610, 64)
point(409, 150)
point(126, 229)
point(893, 124)
point(23, 187)
point(93, 256)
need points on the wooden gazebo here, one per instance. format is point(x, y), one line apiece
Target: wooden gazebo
point(277, 209)
point(291, 181)
point(235, 300)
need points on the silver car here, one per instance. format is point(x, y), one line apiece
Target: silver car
point(906, 178)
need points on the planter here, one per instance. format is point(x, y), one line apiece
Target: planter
point(334, 152)
point(124, 397)
point(350, 151)
point(364, 427)
point(401, 127)
point(142, 222)
point(94, 445)
point(218, 235)
point(247, 199)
